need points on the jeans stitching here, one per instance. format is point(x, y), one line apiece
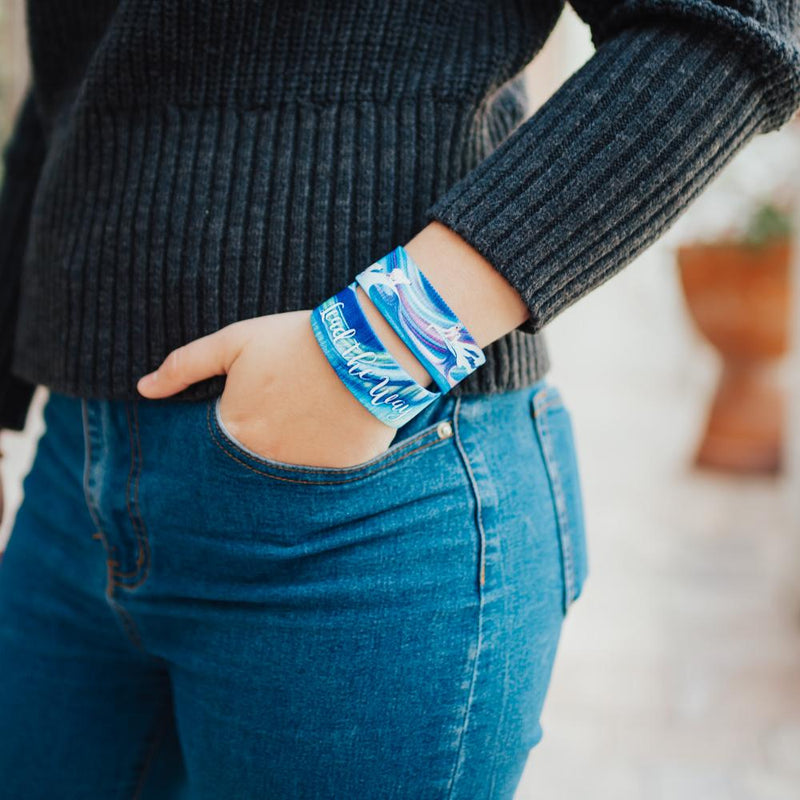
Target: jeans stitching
point(557, 403)
point(129, 624)
point(127, 621)
point(435, 439)
point(553, 399)
point(230, 444)
point(559, 499)
point(125, 618)
point(90, 505)
point(131, 471)
point(137, 522)
point(476, 493)
point(481, 581)
point(161, 729)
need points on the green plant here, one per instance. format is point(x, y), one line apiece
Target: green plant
point(769, 221)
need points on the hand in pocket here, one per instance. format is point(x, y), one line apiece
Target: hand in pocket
point(282, 398)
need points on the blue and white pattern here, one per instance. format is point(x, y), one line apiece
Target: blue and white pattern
point(421, 318)
point(368, 370)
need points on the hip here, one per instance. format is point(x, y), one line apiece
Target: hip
point(430, 581)
point(500, 468)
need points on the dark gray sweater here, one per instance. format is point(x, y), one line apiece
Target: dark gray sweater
point(182, 164)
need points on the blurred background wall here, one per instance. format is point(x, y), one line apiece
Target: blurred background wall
point(678, 675)
point(13, 61)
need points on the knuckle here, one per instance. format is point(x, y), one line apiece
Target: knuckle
point(172, 362)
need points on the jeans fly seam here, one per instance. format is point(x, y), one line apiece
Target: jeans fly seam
point(87, 469)
point(139, 574)
point(161, 729)
point(479, 633)
point(131, 470)
point(94, 511)
point(127, 621)
point(560, 505)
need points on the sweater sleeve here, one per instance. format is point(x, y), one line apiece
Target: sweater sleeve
point(673, 90)
point(23, 158)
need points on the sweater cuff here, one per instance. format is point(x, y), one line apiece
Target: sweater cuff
point(608, 162)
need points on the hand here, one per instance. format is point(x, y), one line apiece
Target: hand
point(282, 398)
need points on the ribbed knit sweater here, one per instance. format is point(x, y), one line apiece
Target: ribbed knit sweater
point(182, 164)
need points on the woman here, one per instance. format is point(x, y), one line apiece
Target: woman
point(228, 578)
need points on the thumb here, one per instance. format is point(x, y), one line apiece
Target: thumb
point(201, 358)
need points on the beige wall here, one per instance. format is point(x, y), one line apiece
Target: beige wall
point(13, 60)
point(566, 49)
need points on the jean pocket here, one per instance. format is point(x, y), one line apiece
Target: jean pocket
point(553, 424)
point(417, 436)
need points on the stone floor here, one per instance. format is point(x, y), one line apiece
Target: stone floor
point(678, 675)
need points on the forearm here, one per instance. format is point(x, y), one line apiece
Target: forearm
point(479, 296)
point(558, 208)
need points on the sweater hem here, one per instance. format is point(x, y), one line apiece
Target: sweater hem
point(515, 361)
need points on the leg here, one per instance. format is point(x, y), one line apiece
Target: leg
point(81, 708)
point(382, 631)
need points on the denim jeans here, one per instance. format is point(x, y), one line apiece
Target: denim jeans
point(181, 617)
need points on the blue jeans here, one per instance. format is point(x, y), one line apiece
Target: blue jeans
point(181, 617)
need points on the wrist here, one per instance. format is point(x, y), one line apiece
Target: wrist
point(335, 390)
point(390, 334)
point(392, 342)
point(477, 293)
point(362, 362)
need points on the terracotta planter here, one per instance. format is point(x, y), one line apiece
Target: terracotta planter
point(739, 297)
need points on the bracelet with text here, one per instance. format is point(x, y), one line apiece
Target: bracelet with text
point(365, 366)
point(421, 318)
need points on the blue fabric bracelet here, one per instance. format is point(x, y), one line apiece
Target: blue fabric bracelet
point(421, 318)
point(365, 366)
